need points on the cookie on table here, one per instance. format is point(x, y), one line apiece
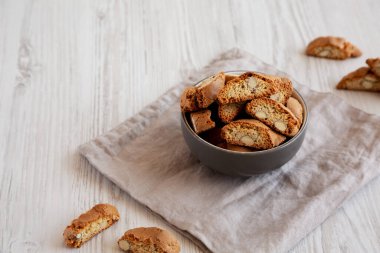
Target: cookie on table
point(89, 224)
point(201, 121)
point(274, 115)
point(149, 240)
point(332, 48)
point(360, 79)
point(228, 112)
point(283, 86)
point(374, 64)
point(207, 90)
point(247, 86)
point(251, 133)
point(189, 100)
point(296, 108)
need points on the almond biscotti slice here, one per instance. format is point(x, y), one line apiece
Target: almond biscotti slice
point(207, 90)
point(149, 240)
point(332, 48)
point(274, 115)
point(189, 100)
point(228, 112)
point(360, 79)
point(251, 133)
point(247, 86)
point(296, 108)
point(283, 86)
point(374, 64)
point(89, 224)
point(201, 121)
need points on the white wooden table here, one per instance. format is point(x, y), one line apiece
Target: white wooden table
point(71, 70)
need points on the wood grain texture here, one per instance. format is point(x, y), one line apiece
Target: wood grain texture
point(71, 70)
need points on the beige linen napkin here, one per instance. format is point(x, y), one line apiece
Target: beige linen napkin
point(147, 157)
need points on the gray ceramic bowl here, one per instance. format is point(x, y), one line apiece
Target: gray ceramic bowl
point(244, 163)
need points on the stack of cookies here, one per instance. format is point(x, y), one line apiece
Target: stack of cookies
point(253, 111)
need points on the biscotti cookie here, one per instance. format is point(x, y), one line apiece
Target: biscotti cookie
point(251, 133)
point(149, 240)
point(207, 90)
point(228, 112)
point(189, 100)
point(332, 48)
point(284, 88)
point(229, 77)
point(201, 121)
point(246, 87)
point(360, 79)
point(89, 224)
point(374, 64)
point(296, 108)
point(274, 115)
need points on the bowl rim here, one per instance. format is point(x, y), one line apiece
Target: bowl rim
point(259, 152)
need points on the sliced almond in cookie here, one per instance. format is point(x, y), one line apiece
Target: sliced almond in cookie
point(261, 115)
point(360, 79)
point(374, 64)
point(246, 87)
point(281, 125)
point(207, 90)
point(228, 112)
point(332, 48)
point(251, 133)
point(201, 121)
point(189, 100)
point(278, 117)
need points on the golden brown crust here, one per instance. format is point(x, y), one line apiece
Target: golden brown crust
point(247, 86)
point(332, 48)
point(201, 121)
point(360, 79)
point(228, 112)
point(229, 77)
point(207, 90)
point(251, 133)
point(189, 100)
point(374, 64)
point(284, 88)
point(150, 239)
point(88, 224)
point(274, 115)
point(213, 136)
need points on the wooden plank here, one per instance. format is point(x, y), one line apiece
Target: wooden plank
point(71, 70)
